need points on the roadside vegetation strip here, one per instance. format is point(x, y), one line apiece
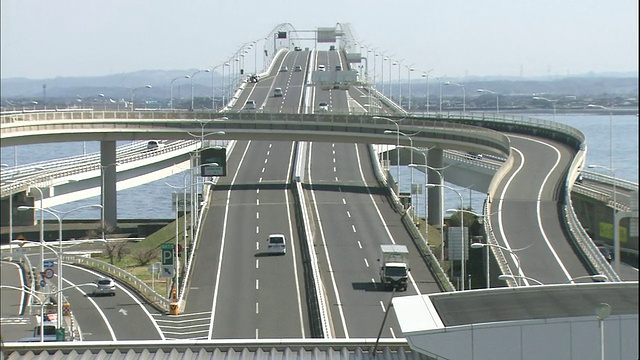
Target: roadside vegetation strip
point(128, 262)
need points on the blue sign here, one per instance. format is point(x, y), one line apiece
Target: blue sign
point(48, 263)
point(43, 283)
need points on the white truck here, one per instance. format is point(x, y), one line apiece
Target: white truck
point(394, 266)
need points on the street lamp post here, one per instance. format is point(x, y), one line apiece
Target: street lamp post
point(409, 70)
point(462, 261)
point(464, 96)
point(497, 98)
point(439, 78)
point(505, 277)
point(175, 253)
point(133, 91)
point(597, 277)
point(59, 215)
point(191, 78)
point(511, 251)
point(177, 226)
point(41, 226)
point(425, 75)
point(611, 169)
point(395, 122)
point(437, 171)
point(224, 83)
point(479, 245)
point(171, 89)
point(408, 136)
point(441, 197)
point(399, 63)
point(213, 89)
point(553, 103)
point(615, 225)
point(37, 294)
point(412, 165)
point(603, 310)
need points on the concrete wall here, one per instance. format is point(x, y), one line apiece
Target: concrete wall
point(534, 339)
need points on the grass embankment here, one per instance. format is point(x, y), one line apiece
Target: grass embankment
point(136, 257)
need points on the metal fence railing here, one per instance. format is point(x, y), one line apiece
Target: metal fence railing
point(161, 302)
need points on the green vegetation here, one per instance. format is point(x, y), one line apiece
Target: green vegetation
point(135, 257)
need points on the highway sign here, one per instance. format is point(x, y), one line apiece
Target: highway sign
point(167, 271)
point(154, 268)
point(167, 254)
point(48, 264)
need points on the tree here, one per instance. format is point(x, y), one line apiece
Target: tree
point(114, 249)
point(145, 256)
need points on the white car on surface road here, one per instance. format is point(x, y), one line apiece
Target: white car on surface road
point(104, 286)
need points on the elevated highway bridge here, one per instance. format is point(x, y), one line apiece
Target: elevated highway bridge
point(325, 286)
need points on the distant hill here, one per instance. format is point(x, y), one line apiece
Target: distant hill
point(120, 85)
point(115, 86)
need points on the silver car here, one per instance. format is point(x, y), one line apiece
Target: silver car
point(104, 286)
point(277, 244)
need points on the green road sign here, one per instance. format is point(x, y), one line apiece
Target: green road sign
point(167, 254)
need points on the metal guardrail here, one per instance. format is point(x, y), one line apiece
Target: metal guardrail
point(585, 243)
point(494, 247)
point(427, 254)
point(154, 298)
point(314, 276)
point(431, 129)
point(312, 272)
point(45, 177)
point(609, 180)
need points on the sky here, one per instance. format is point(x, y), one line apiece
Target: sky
point(42, 39)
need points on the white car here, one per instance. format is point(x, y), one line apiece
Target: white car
point(104, 286)
point(323, 106)
point(154, 144)
point(277, 244)
point(320, 67)
point(284, 68)
point(249, 105)
point(277, 92)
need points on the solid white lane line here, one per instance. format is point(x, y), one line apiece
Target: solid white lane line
point(98, 309)
point(221, 252)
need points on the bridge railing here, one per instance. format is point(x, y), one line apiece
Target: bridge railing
point(145, 290)
point(43, 177)
point(494, 246)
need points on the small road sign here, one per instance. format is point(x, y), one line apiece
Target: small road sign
point(43, 283)
point(48, 264)
point(167, 271)
point(48, 273)
point(154, 268)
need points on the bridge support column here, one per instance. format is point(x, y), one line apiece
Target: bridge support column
point(109, 180)
point(435, 160)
